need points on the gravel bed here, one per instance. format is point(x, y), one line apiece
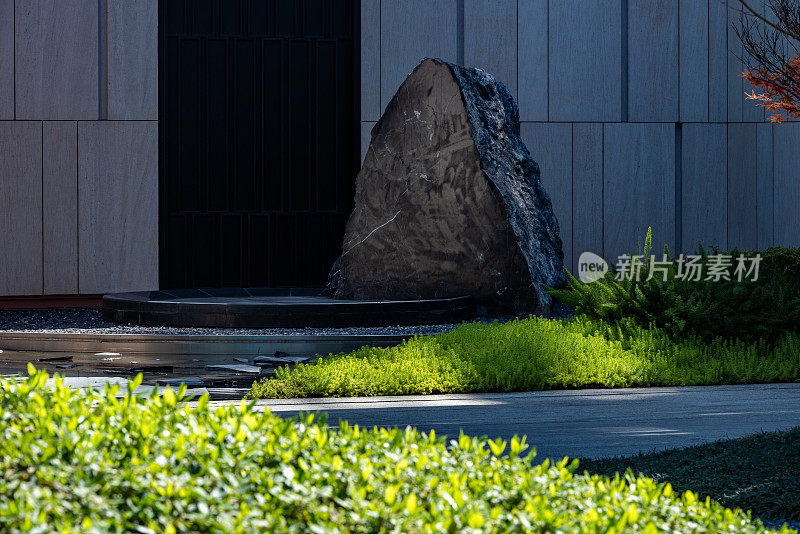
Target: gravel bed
point(90, 321)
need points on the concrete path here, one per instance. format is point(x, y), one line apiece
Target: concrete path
point(585, 423)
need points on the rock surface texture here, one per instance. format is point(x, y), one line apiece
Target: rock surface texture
point(449, 202)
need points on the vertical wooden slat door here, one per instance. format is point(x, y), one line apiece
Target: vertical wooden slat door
point(258, 131)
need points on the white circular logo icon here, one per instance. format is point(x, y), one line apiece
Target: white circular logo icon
point(591, 267)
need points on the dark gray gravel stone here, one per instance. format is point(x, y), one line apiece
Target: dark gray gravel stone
point(90, 321)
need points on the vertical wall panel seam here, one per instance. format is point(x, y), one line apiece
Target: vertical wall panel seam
point(758, 159)
point(547, 53)
point(78, 206)
point(772, 149)
point(727, 92)
point(727, 183)
point(41, 192)
point(14, 59)
point(708, 63)
point(678, 28)
point(603, 190)
point(516, 51)
point(624, 64)
point(678, 187)
point(572, 200)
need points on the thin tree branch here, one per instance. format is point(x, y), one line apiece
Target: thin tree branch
point(764, 19)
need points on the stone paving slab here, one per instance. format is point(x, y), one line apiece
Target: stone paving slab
point(581, 423)
point(100, 382)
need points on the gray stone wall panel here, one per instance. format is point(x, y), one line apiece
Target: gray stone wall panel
point(694, 60)
point(60, 207)
point(751, 112)
point(653, 65)
point(585, 61)
point(736, 85)
point(787, 184)
point(587, 190)
point(410, 31)
point(56, 59)
point(704, 186)
point(490, 39)
point(717, 61)
point(532, 61)
point(765, 186)
point(133, 59)
point(638, 186)
point(370, 60)
point(6, 59)
point(742, 172)
point(118, 205)
point(21, 208)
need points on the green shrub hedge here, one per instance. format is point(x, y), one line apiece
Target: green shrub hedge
point(535, 354)
point(746, 310)
point(90, 462)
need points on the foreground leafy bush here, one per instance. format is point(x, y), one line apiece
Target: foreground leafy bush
point(534, 354)
point(748, 310)
point(87, 462)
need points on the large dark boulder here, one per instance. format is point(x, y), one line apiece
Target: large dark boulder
point(449, 202)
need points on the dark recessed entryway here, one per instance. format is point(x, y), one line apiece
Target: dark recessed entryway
point(258, 151)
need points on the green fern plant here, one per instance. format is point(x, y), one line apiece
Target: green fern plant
point(746, 310)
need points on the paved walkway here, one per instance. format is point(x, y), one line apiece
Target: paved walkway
point(585, 423)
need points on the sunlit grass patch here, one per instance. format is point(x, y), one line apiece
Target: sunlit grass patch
point(535, 354)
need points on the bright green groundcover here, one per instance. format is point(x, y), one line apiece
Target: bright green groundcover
point(74, 461)
point(535, 354)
